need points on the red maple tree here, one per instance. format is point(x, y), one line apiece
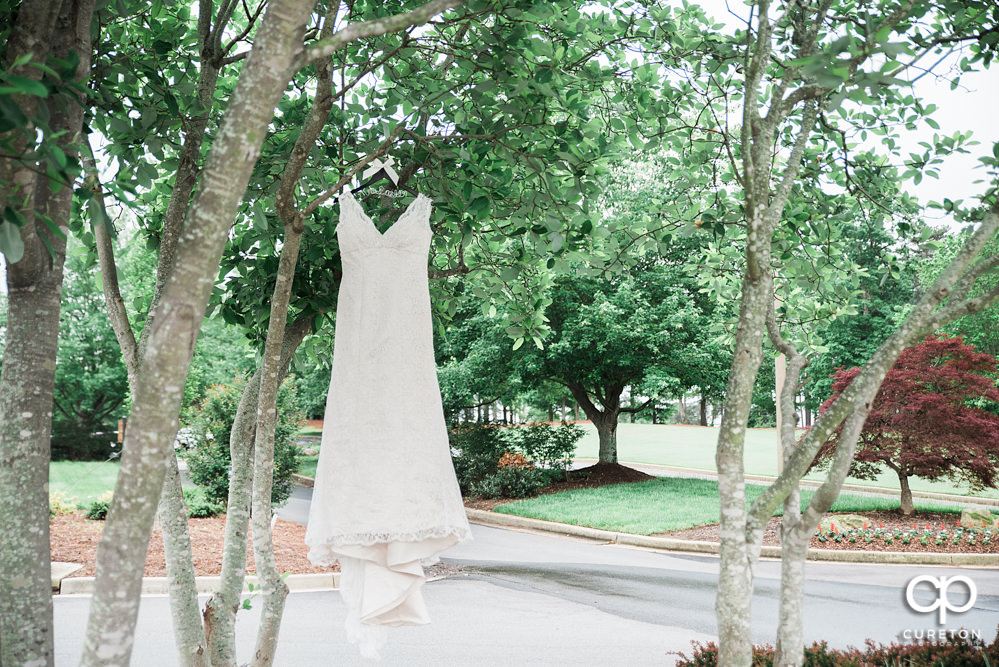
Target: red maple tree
point(928, 418)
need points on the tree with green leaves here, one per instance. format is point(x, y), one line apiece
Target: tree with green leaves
point(91, 386)
point(634, 329)
point(793, 67)
point(45, 56)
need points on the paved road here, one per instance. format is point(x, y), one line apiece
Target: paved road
point(536, 599)
point(678, 590)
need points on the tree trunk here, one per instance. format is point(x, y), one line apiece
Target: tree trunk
point(607, 433)
point(273, 588)
point(188, 633)
point(27, 380)
point(563, 414)
point(704, 410)
point(551, 413)
point(681, 409)
point(906, 496)
point(221, 608)
point(790, 648)
point(576, 412)
point(737, 553)
point(154, 420)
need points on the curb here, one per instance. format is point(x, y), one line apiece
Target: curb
point(302, 480)
point(297, 583)
point(486, 518)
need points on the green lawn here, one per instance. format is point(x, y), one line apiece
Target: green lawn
point(82, 481)
point(307, 465)
point(694, 447)
point(666, 503)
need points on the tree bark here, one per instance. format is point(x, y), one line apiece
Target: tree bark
point(221, 609)
point(905, 498)
point(790, 646)
point(189, 637)
point(273, 588)
point(704, 410)
point(171, 511)
point(27, 380)
point(681, 409)
point(605, 420)
point(154, 421)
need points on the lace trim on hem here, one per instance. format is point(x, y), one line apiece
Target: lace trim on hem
point(322, 553)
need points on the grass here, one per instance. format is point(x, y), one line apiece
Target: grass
point(82, 481)
point(307, 465)
point(666, 503)
point(694, 447)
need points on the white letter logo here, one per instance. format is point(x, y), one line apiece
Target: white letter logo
point(942, 602)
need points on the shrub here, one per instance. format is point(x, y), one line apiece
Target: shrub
point(98, 510)
point(955, 651)
point(475, 452)
point(550, 447)
point(510, 481)
point(199, 507)
point(483, 454)
point(209, 461)
point(61, 503)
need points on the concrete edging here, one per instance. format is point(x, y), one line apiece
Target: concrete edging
point(487, 518)
point(297, 583)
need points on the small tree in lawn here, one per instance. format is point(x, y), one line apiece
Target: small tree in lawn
point(927, 420)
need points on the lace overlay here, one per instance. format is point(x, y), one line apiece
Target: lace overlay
point(386, 498)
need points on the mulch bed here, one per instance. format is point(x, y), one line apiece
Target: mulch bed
point(599, 474)
point(888, 520)
point(74, 539)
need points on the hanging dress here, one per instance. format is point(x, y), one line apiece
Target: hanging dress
point(386, 500)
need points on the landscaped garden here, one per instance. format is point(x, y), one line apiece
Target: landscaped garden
point(632, 213)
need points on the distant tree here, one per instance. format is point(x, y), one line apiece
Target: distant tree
point(884, 294)
point(474, 360)
point(927, 420)
point(979, 329)
point(635, 329)
point(91, 385)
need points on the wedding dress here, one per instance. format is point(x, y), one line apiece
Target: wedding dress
point(386, 500)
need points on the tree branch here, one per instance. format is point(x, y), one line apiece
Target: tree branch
point(373, 28)
point(117, 312)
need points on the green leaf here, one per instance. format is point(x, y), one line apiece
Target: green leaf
point(517, 343)
point(52, 226)
point(11, 115)
point(11, 244)
point(27, 86)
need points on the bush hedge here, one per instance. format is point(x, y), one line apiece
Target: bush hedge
point(494, 462)
point(952, 651)
point(208, 459)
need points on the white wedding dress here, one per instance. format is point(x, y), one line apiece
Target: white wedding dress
point(386, 500)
